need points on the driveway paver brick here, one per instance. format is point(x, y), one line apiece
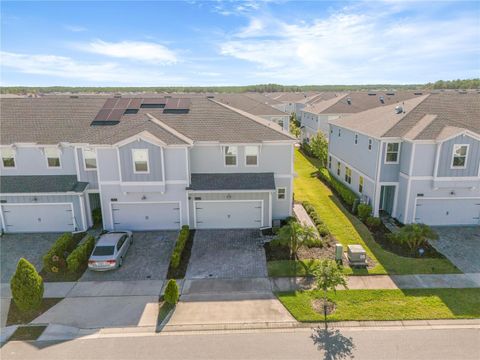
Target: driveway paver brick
point(227, 254)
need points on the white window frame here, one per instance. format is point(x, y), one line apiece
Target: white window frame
point(356, 139)
point(45, 150)
point(348, 174)
point(85, 163)
point(225, 155)
point(13, 157)
point(284, 189)
point(361, 184)
point(391, 152)
point(258, 153)
point(455, 148)
point(330, 162)
point(339, 168)
point(370, 144)
point(133, 161)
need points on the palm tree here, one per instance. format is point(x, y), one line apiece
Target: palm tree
point(328, 276)
point(295, 235)
point(414, 235)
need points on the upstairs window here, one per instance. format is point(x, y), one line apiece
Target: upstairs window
point(348, 175)
point(329, 162)
point(251, 155)
point(8, 158)
point(391, 155)
point(339, 132)
point(369, 144)
point(140, 161)
point(281, 193)
point(356, 139)
point(459, 156)
point(360, 184)
point(89, 159)
point(53, 157)
point(339, 168)
point(231, 153)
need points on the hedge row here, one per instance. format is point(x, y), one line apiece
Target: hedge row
point(347, 195)
point(79, 256)
point(179, 246)
point(319, 224)
point(55, 259)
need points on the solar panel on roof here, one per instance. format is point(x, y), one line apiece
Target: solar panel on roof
point(135, 103)
point(122, 103)
point(102, 114)
point(153, 101)
point(110, 103)
point(115, 115)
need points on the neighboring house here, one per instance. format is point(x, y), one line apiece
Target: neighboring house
point(148, 163)
point(255, 107)
point(419, 165)
point(315, 117)
point(291, 101)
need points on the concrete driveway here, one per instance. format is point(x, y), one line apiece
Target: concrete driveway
point(227, 254)
point(30, 246)
point(461, 245)
point(147, 259)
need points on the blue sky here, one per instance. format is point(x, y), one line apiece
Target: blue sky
point(164, 43)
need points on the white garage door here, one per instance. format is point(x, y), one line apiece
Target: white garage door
point(448, 211)
point(146, 216)
point(38, 217)
point(228, 214)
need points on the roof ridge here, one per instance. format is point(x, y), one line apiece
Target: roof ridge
point(170, 129)
point(268, 124)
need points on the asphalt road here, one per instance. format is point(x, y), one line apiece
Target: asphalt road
point(395, 343)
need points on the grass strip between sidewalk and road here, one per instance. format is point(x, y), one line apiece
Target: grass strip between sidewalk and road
point(414, 304)
point(347, 229)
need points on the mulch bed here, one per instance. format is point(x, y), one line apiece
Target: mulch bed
point(16, 316)
point(317, 305)
point(25, 333)
point(181, 270)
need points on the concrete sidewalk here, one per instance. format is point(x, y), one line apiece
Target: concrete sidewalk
point(449, 281)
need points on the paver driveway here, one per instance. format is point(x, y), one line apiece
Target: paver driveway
point(30, 246)
point(147, 259)
point(227, 254)
point(461, 245)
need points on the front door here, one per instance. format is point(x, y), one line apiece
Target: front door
point(387, 197)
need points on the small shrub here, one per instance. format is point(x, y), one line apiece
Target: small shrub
point(314, 242)
point(306, 148)
point(323, 230)
point(373, 222)
point(308, 207)
point(97, 216)
point(79, 256)
point(55, 259)
point(364, 211)
point(414, 236)
point(179, 246)
point(171, 292)
point(27, 286)
point(347, 195)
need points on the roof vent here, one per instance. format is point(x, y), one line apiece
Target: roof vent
point(390, 94)
point(117, 96)
point(349, 100)
point(372, 94)
point(210, 96)
point(398, 109)
point(73, 96)
point(382, 100)
point(418, 93)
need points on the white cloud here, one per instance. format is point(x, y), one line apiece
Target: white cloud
point(100, 73)
point(148, 52)
point(354, 46)
point(75, 28)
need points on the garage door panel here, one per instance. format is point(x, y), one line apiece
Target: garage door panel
point(448, 211)
point(146, 216)
point(38, 218)
point(228, 214)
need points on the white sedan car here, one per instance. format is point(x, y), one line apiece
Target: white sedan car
point(110, 250)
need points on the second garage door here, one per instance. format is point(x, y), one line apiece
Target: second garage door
point(38, 217)
point(448, 211)
point(228, 214)
point(146, 216)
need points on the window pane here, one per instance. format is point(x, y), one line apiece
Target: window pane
point(281, 194)
point(141, 166)
point(140, 155)
point(90, 159)
point(53, 162)
point(459, 161)
point(91, 163)
point(8, 162)
point(393, 147)
point(51, 152)
point(230, 160)
point(462, 151)
point(392, 157)
point(230, 150)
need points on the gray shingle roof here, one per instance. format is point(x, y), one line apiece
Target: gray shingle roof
point(50, 120)
point(41, 184)
point(233, 181)
point(248, 104)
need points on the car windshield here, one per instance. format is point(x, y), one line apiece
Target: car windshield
point(103, 250)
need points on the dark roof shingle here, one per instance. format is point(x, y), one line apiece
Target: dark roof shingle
point(41, 184)
point(234, 181)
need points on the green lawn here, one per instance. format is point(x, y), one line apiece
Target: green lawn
point(413, 304)
point(347, 229)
